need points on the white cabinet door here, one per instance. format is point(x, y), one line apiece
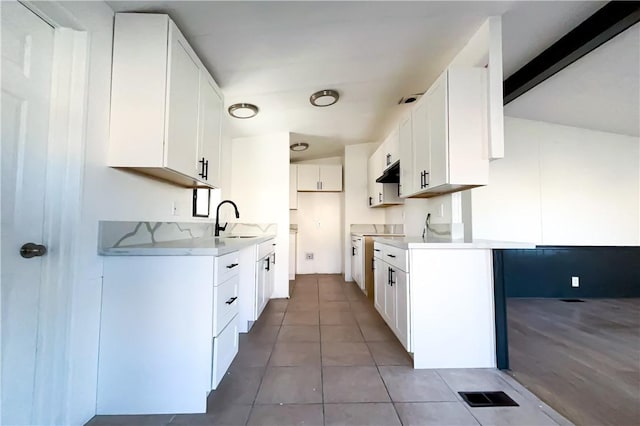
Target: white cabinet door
point(372, 185)
point(402, 308)
point(437, 119)
point(293, 187)
point(308, 177)
point(209, 137)
point(182, 109)
point(420, 143)
point(406, 156)
point(331, 177)
point(379, 284)
point(391, 149)
point(354, 263)
point(390, 297)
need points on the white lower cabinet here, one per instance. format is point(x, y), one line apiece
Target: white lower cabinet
point(357, 253)
point(391, 294)
point(225, 348)
point(159, 317)
point(257, 281)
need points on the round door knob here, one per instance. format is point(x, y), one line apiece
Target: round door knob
point(30, 250)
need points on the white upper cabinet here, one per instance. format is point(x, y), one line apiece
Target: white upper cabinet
point(391, 149)
point(382, 194)
point(448, 136)
point(166, 109)
point(405, 134)
point(320, 177)
point(210, 125)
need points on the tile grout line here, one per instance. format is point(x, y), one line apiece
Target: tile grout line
point(266, 367)
point(457, 400)
point(324, 420)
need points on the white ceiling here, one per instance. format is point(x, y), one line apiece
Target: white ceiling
point(276, 54)
point(600, 91)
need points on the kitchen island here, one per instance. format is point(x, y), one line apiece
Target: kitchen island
point(438, 298)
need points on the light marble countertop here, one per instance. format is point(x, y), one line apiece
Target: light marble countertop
point(433, 243)
point(205, 246)
point(375, 234)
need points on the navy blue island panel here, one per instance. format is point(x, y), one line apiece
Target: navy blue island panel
point(546, 271)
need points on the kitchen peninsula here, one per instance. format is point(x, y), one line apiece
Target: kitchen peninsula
point(438, 298)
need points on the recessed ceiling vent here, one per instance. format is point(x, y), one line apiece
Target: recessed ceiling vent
point(410, 98)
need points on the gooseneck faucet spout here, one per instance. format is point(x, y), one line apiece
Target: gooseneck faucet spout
point(222, 228)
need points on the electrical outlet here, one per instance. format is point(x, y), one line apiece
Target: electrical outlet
point(308, 256)
point(575, 281)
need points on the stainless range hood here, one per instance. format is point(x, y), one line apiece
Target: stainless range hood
point(391, 175)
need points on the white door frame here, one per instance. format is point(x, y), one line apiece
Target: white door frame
point(62, 215)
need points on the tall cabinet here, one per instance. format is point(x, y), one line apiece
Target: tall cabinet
point(166, 109)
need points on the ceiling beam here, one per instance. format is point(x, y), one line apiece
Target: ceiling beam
point(609, 21)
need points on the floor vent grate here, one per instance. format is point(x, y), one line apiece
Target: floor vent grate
point(571, 300)
point(488, 399)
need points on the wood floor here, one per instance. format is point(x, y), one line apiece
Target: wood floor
point(583, 359)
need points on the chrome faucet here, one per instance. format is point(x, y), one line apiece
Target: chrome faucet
point(222, 228)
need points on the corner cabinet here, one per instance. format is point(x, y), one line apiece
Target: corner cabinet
point(319, 177)
point(166, 109)
point(444, 141)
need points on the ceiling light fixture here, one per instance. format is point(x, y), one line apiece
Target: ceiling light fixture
point(324, 98)
point(243, 110)
point(299, 146)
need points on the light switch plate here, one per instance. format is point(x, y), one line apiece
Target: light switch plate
point(575, 281)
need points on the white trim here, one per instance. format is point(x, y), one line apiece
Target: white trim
point(63, 204)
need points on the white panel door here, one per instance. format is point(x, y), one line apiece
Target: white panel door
point(437, 116)
point(209, 137)
point(379, 284)
point(308, 177)
point(407, 186)
point(181, 143)
point(390, 297)
point(421, 149)
point(27, 52)
point(402, 308)
point(331, 177)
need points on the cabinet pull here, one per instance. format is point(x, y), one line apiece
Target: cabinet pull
point(353, 251)
point(373, 264)
point(206, 170)
point(230, 301)
point(201, 174)
point(376, 249)
point(370, 200)
point(321, 185)
point(391, 281)
point(391, 255)
point(273, 262)
point(268, 259)
point(426, 178)
point(380, 196)
point(388, 159)
point(233, 265)
point(388, 276)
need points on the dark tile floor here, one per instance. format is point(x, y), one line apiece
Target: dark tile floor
point(325, 357)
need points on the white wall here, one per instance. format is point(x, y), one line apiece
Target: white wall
point(356, 196)
point(561, 185)
point(320, 219)
point(412, 214)
point(260, 188)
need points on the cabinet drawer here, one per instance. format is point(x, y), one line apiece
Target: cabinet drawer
point(225, 303)
point(226, 266)
point(266, 248)
point(394, 256)
point(225, 348)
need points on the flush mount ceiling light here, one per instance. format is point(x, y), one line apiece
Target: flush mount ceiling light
point(299, 146)
point(243, 110)
point(324, 98)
